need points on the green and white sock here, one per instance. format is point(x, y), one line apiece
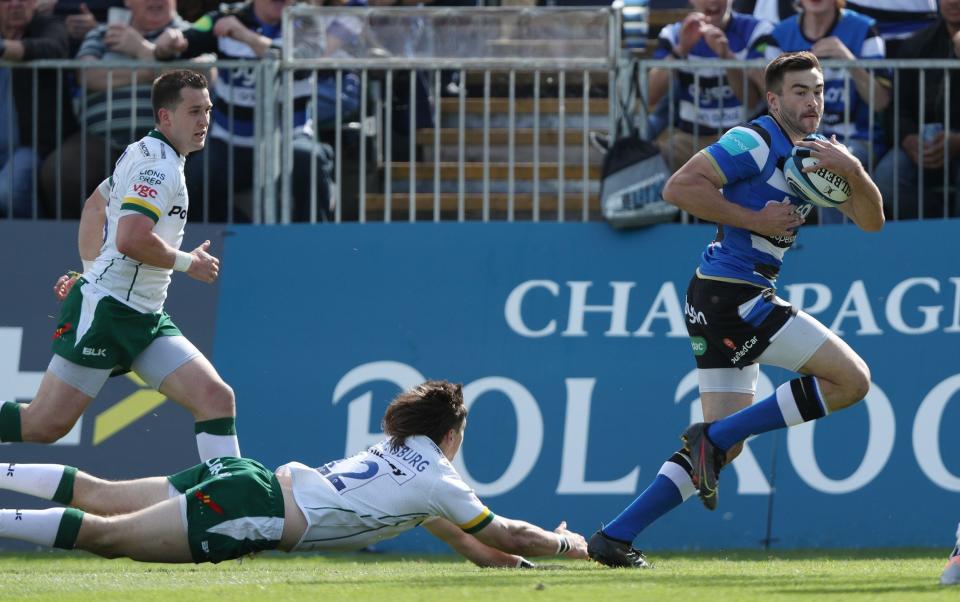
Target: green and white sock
point(217, 438)
point(53, 527)
point(48, 481)
point(10, 422)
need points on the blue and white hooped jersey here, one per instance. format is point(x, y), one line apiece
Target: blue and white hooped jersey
point(859, 34)
point(717, 107)
point(897, 19)
point(750, 160)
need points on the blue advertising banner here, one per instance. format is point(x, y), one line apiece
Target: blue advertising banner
point(570, 340)
point(129, 430)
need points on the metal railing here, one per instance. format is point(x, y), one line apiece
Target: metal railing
point(499, 134)
point(428, 136)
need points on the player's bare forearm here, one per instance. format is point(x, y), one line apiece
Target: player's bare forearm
point(865, 207)
point(469, 546)
point(90, 231)
point(695, 189)
point(525, 539)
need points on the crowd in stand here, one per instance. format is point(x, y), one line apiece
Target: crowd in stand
point(96, 112)
point(65, 150)
point(858, 106)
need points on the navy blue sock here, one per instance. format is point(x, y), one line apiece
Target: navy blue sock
point(671, 487)
point(794, 402)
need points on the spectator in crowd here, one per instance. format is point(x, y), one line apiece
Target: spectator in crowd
point(191, 10)
point(8, 131)
point(897, 19)
point(250, 31)
point(711, 31)
point(767, 10)
point(830, 31)
point(126, 92)
point(26, 35)
point(77, 16)
point(931, 148)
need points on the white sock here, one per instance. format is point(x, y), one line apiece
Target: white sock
point(38, 480)
point(217, 446)
point(35, 526)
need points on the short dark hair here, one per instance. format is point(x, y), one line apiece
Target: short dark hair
point(166, 89)
point(788, 61)
point(431, 409)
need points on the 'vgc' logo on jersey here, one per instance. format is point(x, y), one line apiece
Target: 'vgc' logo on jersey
point(145, 191)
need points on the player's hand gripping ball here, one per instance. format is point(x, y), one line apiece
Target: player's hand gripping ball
point(821, 187)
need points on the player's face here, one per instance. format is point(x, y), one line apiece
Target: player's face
point(800, 105)
point(716, 11)
point(187, 125)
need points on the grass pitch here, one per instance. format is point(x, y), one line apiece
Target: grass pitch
point(900, 575)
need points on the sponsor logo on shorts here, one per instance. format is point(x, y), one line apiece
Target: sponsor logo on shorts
point(694, 316)
point(18, 515)
point(729, 343)
point(743, 350)
point(207, 501)
point(699, 345)
point(205, 546)
point(10, 469)
point(91, 352)
point(62, 330)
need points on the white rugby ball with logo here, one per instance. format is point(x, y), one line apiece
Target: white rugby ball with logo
point(821, 187)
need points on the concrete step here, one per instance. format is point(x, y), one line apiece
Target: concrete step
point(548, 106)
point(448, 206)
point(499, 140)
point(449, 171)
point(501, 136)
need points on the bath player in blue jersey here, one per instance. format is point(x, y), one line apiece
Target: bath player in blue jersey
point(735, 319)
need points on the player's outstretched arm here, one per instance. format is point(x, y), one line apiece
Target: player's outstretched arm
point(695, 188)
point(136, 240)
point(471, 548)
point(519, 537)
point(865, 206)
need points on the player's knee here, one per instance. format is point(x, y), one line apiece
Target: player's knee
point(47, 431)
point(97, 536)
point(854, 386)
point(220, 400)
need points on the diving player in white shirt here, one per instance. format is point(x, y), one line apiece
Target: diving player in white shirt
point(230, 507)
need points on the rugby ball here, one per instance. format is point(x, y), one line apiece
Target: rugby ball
point(821, 187)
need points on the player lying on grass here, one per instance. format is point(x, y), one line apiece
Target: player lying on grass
point(229, 507)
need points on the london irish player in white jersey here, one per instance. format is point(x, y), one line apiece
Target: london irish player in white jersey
point(112, 319)
point(229, 507)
